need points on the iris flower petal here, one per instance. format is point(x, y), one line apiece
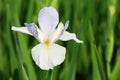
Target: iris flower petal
point(56, 34)
point(30, 29)
point(40, 56)
point(48, 57)
point(69, 36)
point(21, 29)
point(57, 54)
point(35, 31)
point(48, 19)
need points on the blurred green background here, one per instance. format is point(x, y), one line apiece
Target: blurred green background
point(96, 22)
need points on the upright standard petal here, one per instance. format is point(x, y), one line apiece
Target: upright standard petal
point(21, 29)
point(48, 19)
point(68, 36)
point(48, 57)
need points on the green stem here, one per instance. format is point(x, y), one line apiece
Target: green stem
point(49, 75)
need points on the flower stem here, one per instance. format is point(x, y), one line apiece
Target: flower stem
point(49, 75)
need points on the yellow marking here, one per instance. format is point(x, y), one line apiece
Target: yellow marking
point(47, 43)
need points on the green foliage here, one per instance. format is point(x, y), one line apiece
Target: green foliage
point(96, 22)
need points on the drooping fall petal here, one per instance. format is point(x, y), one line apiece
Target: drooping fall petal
point(57, 54)
point(48, 57)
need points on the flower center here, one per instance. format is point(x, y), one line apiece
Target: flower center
point(47, 42)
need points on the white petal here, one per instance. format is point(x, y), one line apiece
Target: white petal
point(33, 29)
point(48, 19)
point(68, 36)
point(57, 54)
point(66, 25)
point(21, 29)
point(40, 56)
point(56, 34)
point(47, 58)
point(30, 29)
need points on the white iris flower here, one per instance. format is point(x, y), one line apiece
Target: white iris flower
point(47, 54)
